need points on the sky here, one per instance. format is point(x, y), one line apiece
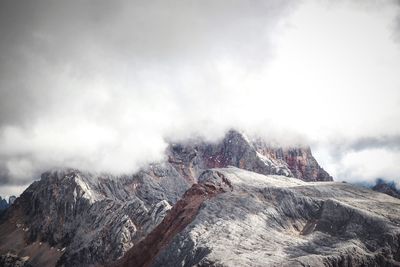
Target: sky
point(104, 85)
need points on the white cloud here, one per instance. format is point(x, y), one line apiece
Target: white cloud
point(103, 88)
point(368, 165)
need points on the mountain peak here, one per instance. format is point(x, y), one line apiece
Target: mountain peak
point(4, 204)
point(388, 188)
point(91, 218)
point(236, 149)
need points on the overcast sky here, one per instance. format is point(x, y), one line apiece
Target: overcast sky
point(101, 85)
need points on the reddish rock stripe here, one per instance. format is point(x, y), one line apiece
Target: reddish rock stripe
point(181, 215)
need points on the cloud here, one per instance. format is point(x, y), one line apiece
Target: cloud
point(102, 85)
point(370, 164)
point(12, 190)
point(363, 159)
point(386, 142)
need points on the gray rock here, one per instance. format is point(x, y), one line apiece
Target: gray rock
point(388, 188)
point(3, 204)
point(77, 218)
point(11, 199)
point(92, 218)
point(280, 221)
point(237, 150)
point(10, 260)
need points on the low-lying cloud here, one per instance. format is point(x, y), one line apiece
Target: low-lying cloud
point(364, 159)
point(102, 85)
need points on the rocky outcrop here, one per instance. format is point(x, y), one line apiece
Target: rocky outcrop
point(300, 162)
point(10, 260)
point(11, 200)
point(276, 221)
point(183, 213)
point(4, 204)
point(237, 150)
point(75, 218)
point(90, 218)
point(388, 188)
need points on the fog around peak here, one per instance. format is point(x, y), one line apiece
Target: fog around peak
point(103, 86)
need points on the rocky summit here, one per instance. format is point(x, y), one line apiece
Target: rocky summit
point(388, 188)
point(237, 150)
point(236, 202)
point(4, 204)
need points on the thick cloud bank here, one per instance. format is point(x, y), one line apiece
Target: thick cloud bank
point(102, 85)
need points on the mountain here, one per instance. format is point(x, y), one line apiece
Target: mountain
point(162, 215)
point(388, 188)
point(11, 199)
point(76, 218)
point(4, 204)
point(191, 158)
point(235, 217)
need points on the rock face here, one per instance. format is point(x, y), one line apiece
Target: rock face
point(10, 260)
point(183, 213)
point(11, 200)
point(74, 218)
point(86, 218)
point(191, 158)
point(258, 220)
point(300, 162)
point(4, 204)
point(388, 188)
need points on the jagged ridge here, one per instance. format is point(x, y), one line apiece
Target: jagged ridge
point(83, 218)
point(276, 221)
point(191, 158)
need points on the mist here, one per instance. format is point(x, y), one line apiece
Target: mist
point(104, 86)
